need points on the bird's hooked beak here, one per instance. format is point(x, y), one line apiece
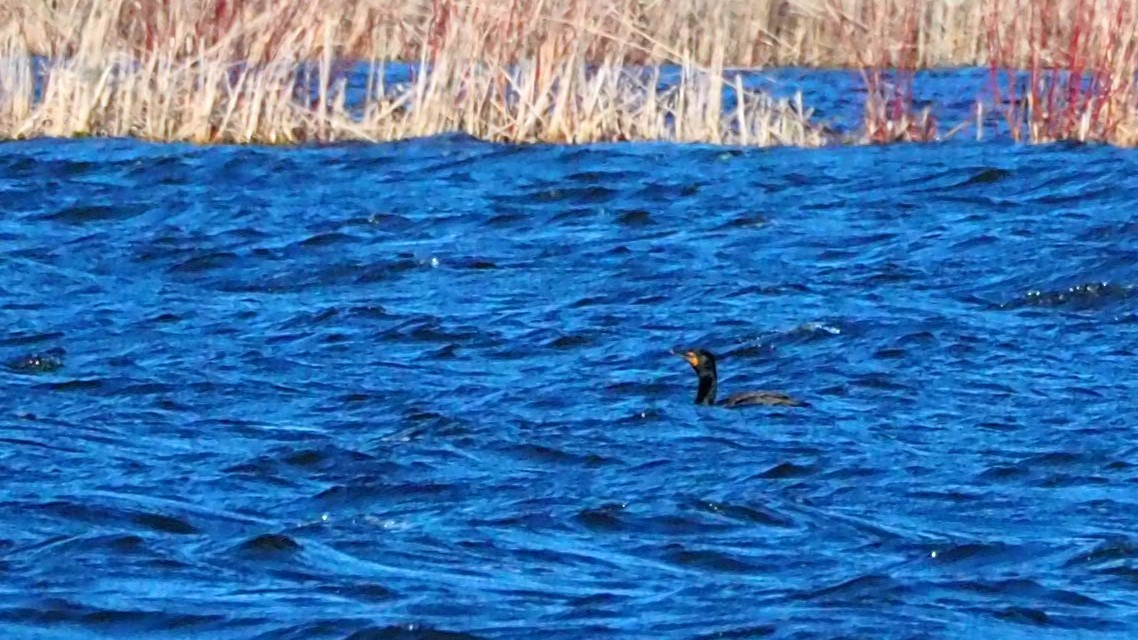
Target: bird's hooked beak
point(690, 356)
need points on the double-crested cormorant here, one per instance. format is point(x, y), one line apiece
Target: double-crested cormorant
point(704, 364)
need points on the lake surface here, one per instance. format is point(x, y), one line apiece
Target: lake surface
point(424, 390)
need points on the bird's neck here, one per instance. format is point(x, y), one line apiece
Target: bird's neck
point(706, 392)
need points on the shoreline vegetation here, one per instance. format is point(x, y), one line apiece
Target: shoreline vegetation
point(565, 71)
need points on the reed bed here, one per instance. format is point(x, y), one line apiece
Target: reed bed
point(1078, 88)
point(744, 33)
point(284, 71)
point(279, 72)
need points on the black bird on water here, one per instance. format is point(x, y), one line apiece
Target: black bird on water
point(704, 364)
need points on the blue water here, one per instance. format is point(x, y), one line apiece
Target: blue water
point(424, 390)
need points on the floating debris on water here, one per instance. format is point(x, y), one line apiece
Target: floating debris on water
point(44, 362)
point(1080, 295)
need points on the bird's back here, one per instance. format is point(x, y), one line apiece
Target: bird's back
point(768, 398)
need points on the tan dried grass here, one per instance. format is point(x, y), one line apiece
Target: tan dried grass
point(273, 72)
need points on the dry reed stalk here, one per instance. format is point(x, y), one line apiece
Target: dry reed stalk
point(889, 62)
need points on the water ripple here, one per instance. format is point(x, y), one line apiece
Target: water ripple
point(424, 390)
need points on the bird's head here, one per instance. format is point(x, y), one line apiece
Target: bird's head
point(700, 359)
